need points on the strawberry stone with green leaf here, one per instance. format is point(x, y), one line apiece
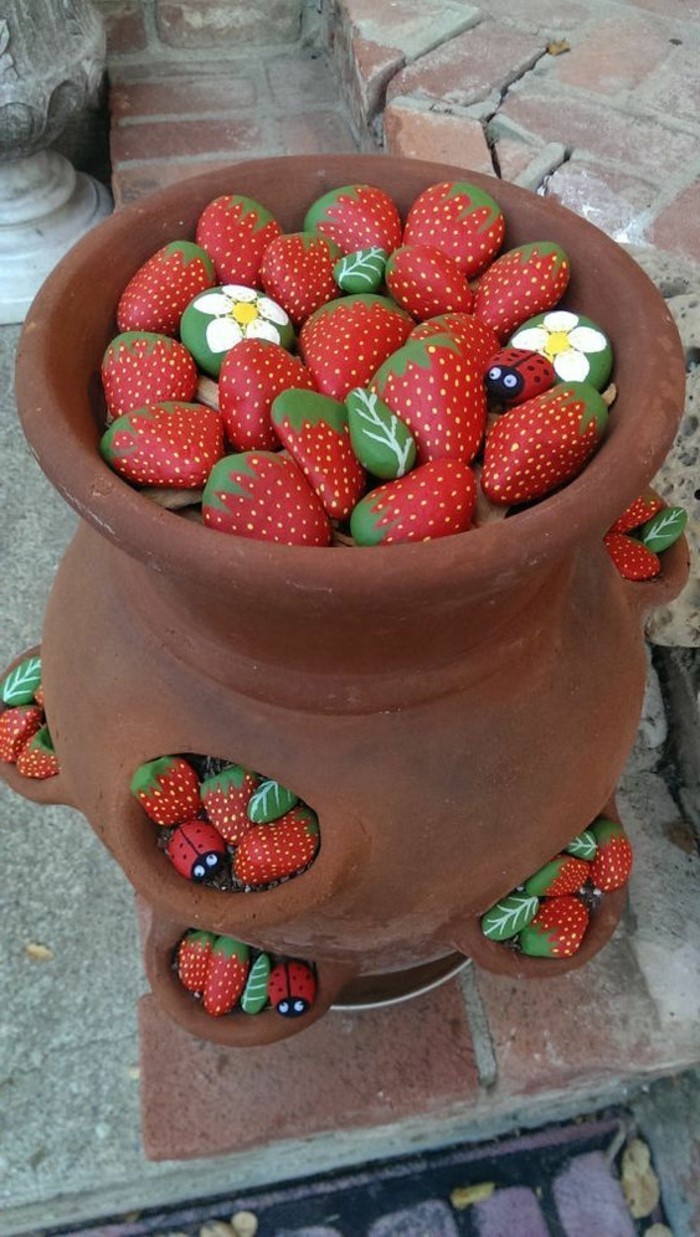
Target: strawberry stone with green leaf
point(272, 852)
point(18, 725)
point(426, 282)
point(252, 375)
point(521, 283)
point(356, 217)
point(633, 560)
point(227, 972)
point(613, 862)
point(297, 272)
point(37, 757)
point(477, 340)
point(264, 496)
point(235, 231)
point(225, 797)
point(344, 342)
point(156, 296)
point(461, 219)
point(170, 444)
point(434, 500)
point(140, 367)
point(557, 930)
point(193, 955)
point(563, 874)
point(315, 431)
point(167, 789)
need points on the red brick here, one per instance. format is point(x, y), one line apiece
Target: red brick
point(413, 129)
point(514, 155)
point(677, 227)
point(614, 201)
point(181, 96)
point(345, 1071)
point(320, 132)
point(616, 56)
point(132, 182)
point(179, 139)
point(219, 23)
point(485, 58)
point(553, 17)
point(124, 25)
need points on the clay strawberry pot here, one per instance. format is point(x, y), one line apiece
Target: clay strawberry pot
point(454, 711)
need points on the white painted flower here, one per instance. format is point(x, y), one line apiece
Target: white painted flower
point(564, 342)
point(240, 313)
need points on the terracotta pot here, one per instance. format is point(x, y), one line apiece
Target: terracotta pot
point(455, 711)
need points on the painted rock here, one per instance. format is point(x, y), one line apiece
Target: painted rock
point(156, 296)
point(141, 368)
point(20, 685)
point(167, 789)
point(663, 529)
point(254, 998)
point(478, 340)
point(524, 281)
point(542, 444)
point(193, 956)
point(515, 375)
point(460, 219)
point(39, 696)
point(17, 726)
point(197, 850)
point(574, 344)
point(362, 271)
point(633, 560)
point(235, 231)
point(557, 929)
point(583, 846)
point(37, 757)
point(266, 497)
point(218, 320)
point(269, 801)
point(315, 431)
point(425, 281)
point(297, 272)
point(345, 342)
point(382, 443)
point(356, 217)
point(563, 874)
point(270, 853)
point(227, 973)
point(436, 390)
point(225, 798)
point(292, 989)
point(613, 862)
point(252, 375)
point(506, 918)
point(434, 500)
point(169, 444)
point(639, 511)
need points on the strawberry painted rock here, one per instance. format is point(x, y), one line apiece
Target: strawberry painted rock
point(344, 342)
point(315, 431)
point(663, 529)
point(266, 497)
point(156, 296)
point(39, 696)
point(638, 512)
point(563, 874)
point(193, 955)
point(583, 846)
point(437, 391)
point(382, 443)
point(515, 376)
point(356, 217)
point(170, 444)
point(273, 852)
point(524, 281)
point(297, 272)
point(167, 789)
point(292, 988)
point(633, 560)
point(20, 685)
point(478, 340)
point(557, 930)
point(506, 918)
point(576, 347)
point(227, 973)
point(235, 231)
point(613, 862)
point(362, 271)
point(196, 850)
point(542, 444)
point(255, 998)
point(426, 282)
point(141, 368)
point(17, 726)
point(269, 801)
point(434, 500)
point(460, 219)
point(37, 758)
point(218, 320)
point(225, 798)
point(252, 375)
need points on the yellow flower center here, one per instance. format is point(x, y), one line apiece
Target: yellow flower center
point(557, 342)
point(244, 312)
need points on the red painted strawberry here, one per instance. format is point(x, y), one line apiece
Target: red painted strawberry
point(196, 850)
point(170, 444)
point(266, 497)
point(542, 444)
point(613, 862)
point(356, 217)
point(39, 696)
point(269, 853)
point(477, 339)
point(563, 874)
point(633, 560)
point(425, 281)
point(225, 797)
point(437, 391)
point(193, 955)
point(156, 296)
point(235, 231)
point(17, 726)
point(38, 758)
point(315, 431)
point(252, 374)
point(297, 272)
point(434, 500)
point(557, 929)
point(638, 512)
point(345, 341)
point(141, 368)
point(292, 988)
point(226, 975)
point(167, 789)
point(461, 220)
point(522, 282)
point(515, 375)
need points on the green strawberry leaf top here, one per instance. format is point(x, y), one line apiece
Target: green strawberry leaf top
point(302, 408)
point(583, 846)
point(270, 801)
point(362, 271)
point(478, 199)
point(380, 440)
point(229, 947)
point(663, 529)
point(320, 209)
point(359, 298)
point(19, 685)
point(604, 829)
point(197, 936)
point(254, 997)
point(41, 741)
point(147, 776)
point(507, 917)
point(189, 252)
point(223, 477)
point(417, 352)
point(232, 775)
point(254, 214)
point(594, 406)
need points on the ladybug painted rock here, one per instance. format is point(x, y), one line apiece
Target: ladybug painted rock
point(197, 850)
point(515, 375)
point(292, 988)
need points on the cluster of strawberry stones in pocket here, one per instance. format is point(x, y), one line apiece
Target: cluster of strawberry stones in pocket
point(25, 741)
point(224, 825)
point(227, 975)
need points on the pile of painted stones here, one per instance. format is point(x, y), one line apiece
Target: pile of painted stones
point(549, 914)
point(25, 741)
point(226, 974)
point(225, 825)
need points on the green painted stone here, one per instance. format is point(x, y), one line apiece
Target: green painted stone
point(270, 801)
point(577, 347)
point(509, 916)
point(583, 846)
point(254, 997)
point(663, 529)
point(19, 685)
point(380, 440)
point(218, 319)
point(362, 271)
point(302, 408)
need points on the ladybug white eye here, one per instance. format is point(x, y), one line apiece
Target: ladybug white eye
point(299, 1007)
point(283, 1007)
point(510, 381)
point(211, 860)
point(494, 373)
point(199, 872)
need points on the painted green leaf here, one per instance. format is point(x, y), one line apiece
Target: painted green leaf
point(361, 271)
point(254, 997)
point(270, 801)
point(19, 685)
point(380, 440)
point(418, 352)
point(583, 846)
point(189, 252)
point(478, 198)
point(509, 916)
point(663, 529)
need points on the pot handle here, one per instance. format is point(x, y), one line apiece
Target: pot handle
point(647, 595)
point(37, 790)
